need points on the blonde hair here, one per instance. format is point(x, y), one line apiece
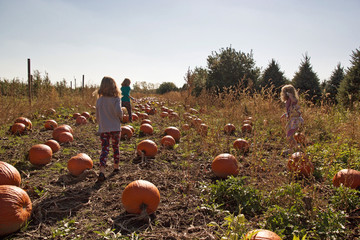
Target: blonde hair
point(108, 88)
point(288, 89)
point(126, 82)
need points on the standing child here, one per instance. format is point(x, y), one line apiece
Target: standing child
point(125, 100)
point(291, 99)
point(108, 116)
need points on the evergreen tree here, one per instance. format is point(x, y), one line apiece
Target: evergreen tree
point(273, 77)
point(349, 89)
point(307, 81)
point(331, 86)
point(230, 68)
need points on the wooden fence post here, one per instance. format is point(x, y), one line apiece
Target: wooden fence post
point(83, 81)
point(29, 79)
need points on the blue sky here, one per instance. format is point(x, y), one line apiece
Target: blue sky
point(158, 40)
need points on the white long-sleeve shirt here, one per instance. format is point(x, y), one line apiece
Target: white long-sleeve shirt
point(109, 114)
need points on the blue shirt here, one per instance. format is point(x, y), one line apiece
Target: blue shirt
point(125, 92)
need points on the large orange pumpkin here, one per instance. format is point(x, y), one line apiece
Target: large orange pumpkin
point(40, 154)
point(81, 120)
point(15, 208)
point(60, 129)
point(229, 128)
point(299, 163)
point(348, 177)
point(146, 129)
point(18, 128)
point(262, 234)
point(140, 195)
point(241, 145)
point(79, 163)
point(50, 124)
point(148, 147)
point(9, 175)
point(174, 132)
point(126, 133)
point(131, 128)
point(168, 141)
point(225, 165)
point(53, 144)
point(65, 137)
point(25, 121)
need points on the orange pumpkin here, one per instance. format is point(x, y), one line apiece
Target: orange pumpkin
point(185, 127)
point(203, 129)
point(60, 129)
point(18, 128)
point(79, 163)
point(229, 128)
point(146, 129)
point(126, 133)
point(40, 154)
point(131, 128)
point(299, 163)
point(9, 175)
point(247, 121)
point(86, 115)
point(193, 111)
point(196, 121)
point(76, 115)
point(241, 145)
point(146, 121)
point(225, 165)
point(143, 116)
point(168, 141)
point(140, 195)
point(174, 132)
point(134, 117)
point(148, 147)
point(262, 234)
point(246, 128)
point(51, 111)
point(53, 144)
point(174, 116)
point(348, 177)
point(65, 137)
point(125, 119)
point(25, 121)
point(15, 208)
point(164, 114)
point(81, 120)
point(50, 124)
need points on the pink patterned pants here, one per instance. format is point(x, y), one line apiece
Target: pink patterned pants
point(105, 143)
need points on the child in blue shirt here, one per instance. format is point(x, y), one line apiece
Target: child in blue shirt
point(125, 100)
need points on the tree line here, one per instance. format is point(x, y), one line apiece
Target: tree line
point(230, 68)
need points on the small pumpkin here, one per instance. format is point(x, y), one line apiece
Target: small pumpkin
point(143, 116)
point(174, 132)
point(81, 120)
point(25, 121)
point(299, 163)
point(148, 121)
point(168, 141)
point(185, 127)
point(50, 124)
point(76, 115)
point(348, 177)
point(53, 144)
point(262, 234)
point(139, 196)
point(299, 137)
point(86, 115)
point(125, 119)
point(229, 128)
point(195, 121)
point(203, 129)
point(65, 137)
point(174, 116)
point(146, 129)
point(148, 147)
point(9, 175)
point(193, 111)
point(126, 133)
point(60, 129)
point(131, 128)
point(164, 114)
point(241, 145)
point(134, 117)
point(40, 154)
point(18, 128)
point(246, 128)
point(225, 165)
point(15, 208)
point(79, 163)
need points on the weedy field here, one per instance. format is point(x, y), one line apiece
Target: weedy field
point(194, 202)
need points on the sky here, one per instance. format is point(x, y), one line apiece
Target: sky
point(159, 40)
